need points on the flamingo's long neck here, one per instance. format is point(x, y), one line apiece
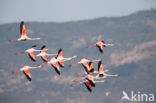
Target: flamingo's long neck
point(34, 67)
point(50, 54)
point(109, 44)
point(110, 75)
point(34, 38)
point(69, 58)
point(101, 81)
point(95, 60)
point(36, 50)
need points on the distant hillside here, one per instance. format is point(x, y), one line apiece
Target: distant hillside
point(133, 58)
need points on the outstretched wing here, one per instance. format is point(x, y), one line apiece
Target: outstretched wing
point(100, 48)
point(43, 48)
point(55, 66)
point(91, 68)
point(86, 66)
point(44, 58)
point(60, 53)
point(27, 74)
point(88, 85)
point(61, 63)
point(32, 56)
point(100, 67)
point(22, 29)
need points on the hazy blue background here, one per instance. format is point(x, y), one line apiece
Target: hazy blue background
point(67, 10)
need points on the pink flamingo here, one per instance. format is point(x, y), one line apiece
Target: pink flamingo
point(25, 70)
point(23, 34)
point(61, 59)
point(89, 82)
point(53, 61)
point(43, 53)
point(100, 45)
point(30, 52)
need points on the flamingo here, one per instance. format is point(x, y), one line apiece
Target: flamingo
point(61, 59)
point(53, 61)
point(100, 45)
point(89, 70)
point(101, 72)
point(43, 53)
point(30, 52)
point(23, 34)
point(89, 82)
point(88, 67)
point(25, 70)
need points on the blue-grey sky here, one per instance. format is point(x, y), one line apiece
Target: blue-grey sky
point(68, 10)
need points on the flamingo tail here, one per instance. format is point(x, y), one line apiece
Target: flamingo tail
point(20, 53)
point(73, 64)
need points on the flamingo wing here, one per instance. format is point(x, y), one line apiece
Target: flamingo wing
point(27, 74)
point(91, 68)
point(100, 68)
point(91, 82)
point(86, 66)
point(44, 58)
point(100, 48)
point(43, 48)
point(55, 66)
point(61, 63)
point(22, 29)
point(60, 53)
point(32, 56)
point(88, 85)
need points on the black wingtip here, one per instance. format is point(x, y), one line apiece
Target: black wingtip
point(44, 46)
point(60, 50)
point(33, 46)
point(27, 76)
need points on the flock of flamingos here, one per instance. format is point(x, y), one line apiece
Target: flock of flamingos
point(58, 60)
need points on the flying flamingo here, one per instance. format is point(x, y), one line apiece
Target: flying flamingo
point(23, 34)
point(89, 70)
point(61, 59)
point(53, 61)
point(100, 45)
point(25, 70)
point(89, 82)
point(102, 73)
point(30, 52)
point(84, 62)
point(43, 53)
